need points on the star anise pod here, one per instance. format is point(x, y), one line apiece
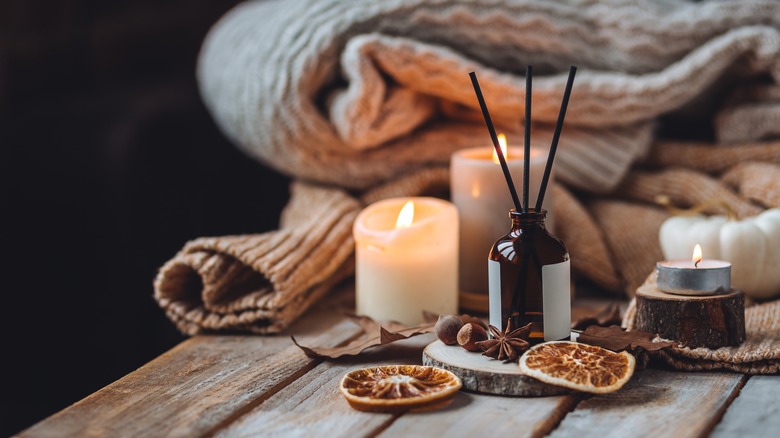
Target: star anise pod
point(507, 346)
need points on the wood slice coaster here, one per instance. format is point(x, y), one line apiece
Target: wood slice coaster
point(711, 321)
point(483, 374)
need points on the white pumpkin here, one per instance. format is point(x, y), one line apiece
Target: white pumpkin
point(751, 245)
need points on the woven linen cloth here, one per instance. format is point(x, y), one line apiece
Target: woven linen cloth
point(360, 101)
point(759, 354)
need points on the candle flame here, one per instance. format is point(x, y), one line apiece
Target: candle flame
point(406, 216)
point(696, 255)
point(502, 144)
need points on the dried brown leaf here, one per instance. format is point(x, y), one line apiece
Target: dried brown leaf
point(374, 334)
point(616, 339)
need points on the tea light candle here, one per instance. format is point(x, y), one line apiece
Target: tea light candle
point(480, 194)
point(695, 276)
point(406, 259)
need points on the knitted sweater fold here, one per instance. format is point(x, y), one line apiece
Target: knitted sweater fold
point(368, 100)
point(378, 88)
point(262, 283)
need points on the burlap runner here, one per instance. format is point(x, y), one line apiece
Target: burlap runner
point(759, 354)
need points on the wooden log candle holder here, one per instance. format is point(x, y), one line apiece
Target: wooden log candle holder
point(710, 321)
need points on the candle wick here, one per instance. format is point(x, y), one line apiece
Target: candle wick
point(696, 264)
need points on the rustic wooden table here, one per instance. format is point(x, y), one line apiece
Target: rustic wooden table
point(264, 385)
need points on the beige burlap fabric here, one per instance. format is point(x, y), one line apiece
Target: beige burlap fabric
point(373, 97)
point(759, 354)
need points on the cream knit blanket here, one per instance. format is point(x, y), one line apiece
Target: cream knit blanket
point(379, 88)
point(363, 100)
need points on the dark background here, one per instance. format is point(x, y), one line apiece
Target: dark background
point(109, 164)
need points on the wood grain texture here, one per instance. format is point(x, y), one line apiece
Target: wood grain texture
point(314, 406)
point(654, 403)
point(755, 412)
point(262, 385)
point(478, 415)
point(483, 374)
point(196, 386)
point(711, 321)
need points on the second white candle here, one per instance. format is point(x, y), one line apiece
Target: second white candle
point(482, 197)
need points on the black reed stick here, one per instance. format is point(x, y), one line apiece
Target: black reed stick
point(527, 137)
point(494, 137)
point(556, 137)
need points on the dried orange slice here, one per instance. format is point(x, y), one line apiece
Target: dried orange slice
point(578, 366)
point(396, 388)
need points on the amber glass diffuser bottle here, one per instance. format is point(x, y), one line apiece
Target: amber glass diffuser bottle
point(529, 273)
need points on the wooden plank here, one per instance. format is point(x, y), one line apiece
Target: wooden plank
point(755, 412)
point(310, 406)
point(198, 385)
point(673, 403)
point(208, 383)
point(478, 415)
point(314, 406)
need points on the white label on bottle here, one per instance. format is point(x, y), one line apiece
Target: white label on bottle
point(556, 299)
point(494, 293)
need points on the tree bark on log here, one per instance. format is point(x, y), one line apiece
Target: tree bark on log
point(710, 321)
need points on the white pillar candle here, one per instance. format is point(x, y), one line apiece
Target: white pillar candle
point(405, 265)
point(482, 197)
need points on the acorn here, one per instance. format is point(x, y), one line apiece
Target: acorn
point(447, 327)
point(470, 334)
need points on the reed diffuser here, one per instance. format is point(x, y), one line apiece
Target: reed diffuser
point(529, 268)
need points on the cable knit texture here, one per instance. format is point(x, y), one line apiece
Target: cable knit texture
point(360, 101)
point(380, 87)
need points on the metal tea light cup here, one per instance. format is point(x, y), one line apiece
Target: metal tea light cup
point(681, 277)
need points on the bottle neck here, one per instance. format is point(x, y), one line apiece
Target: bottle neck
point(526, 220)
